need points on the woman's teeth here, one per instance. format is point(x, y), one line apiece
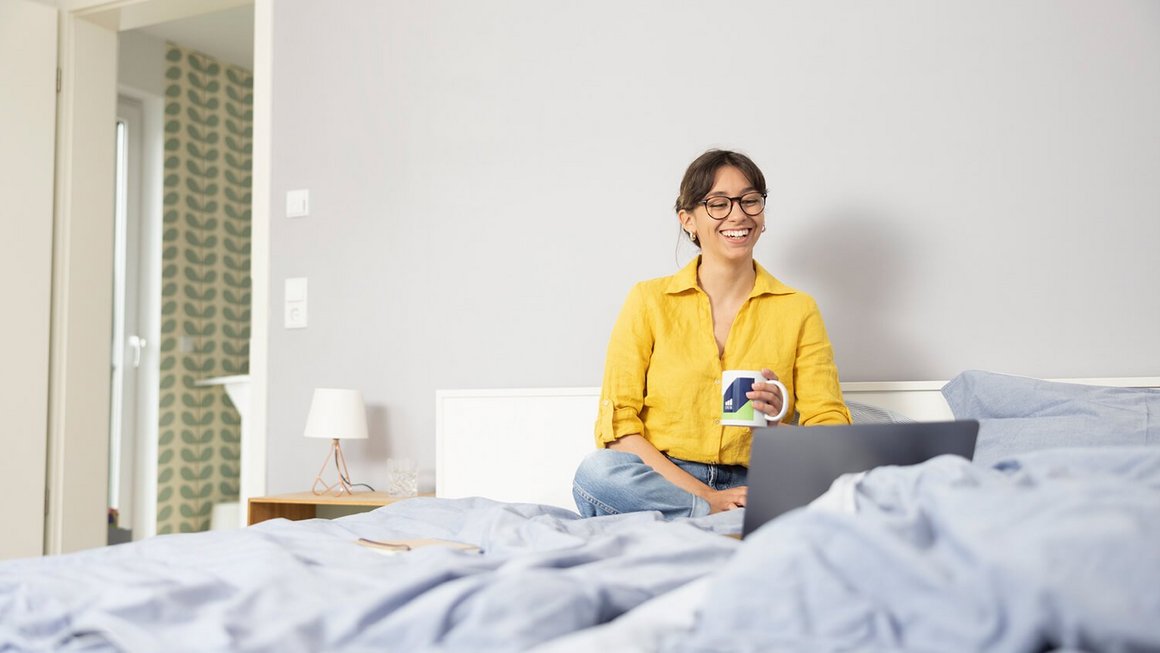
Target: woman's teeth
point(735, 234)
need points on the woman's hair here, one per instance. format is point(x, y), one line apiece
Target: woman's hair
point(699, 177)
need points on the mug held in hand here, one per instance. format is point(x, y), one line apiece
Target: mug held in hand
point(737, 409)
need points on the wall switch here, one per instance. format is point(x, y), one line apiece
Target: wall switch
point(297, 203)
point(294, 316)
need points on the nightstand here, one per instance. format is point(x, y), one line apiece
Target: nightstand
point(305, 505)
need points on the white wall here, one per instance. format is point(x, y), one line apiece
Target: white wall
point(964, 184)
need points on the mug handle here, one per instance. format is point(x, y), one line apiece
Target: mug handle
point(784, 401)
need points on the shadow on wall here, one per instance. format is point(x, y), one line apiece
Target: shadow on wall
point(857, 263)
point(374, 448)
point(381, 447)
point(377, 446)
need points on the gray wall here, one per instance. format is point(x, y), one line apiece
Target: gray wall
point(969, 184)
point(141, 62)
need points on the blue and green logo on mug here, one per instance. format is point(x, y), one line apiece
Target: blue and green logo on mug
point(737, 409)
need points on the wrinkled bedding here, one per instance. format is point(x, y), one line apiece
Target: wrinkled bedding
point(1059, 550)
point(307, 586)
point(1049, 550)
point(1052, 551)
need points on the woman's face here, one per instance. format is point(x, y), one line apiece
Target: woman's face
point(733, 236)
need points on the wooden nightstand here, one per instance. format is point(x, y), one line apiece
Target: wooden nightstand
point(304, 505)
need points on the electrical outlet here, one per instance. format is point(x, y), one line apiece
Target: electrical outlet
point(294, 314)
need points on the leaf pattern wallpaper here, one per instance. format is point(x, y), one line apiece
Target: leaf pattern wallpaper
point(205, 296)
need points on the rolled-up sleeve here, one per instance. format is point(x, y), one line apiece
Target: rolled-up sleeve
point(625, 369)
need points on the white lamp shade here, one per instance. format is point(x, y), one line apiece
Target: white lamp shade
point(337, 413)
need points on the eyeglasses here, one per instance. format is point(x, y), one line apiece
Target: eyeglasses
point(719, 208)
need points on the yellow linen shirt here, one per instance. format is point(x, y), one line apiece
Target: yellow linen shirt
point(662, 377)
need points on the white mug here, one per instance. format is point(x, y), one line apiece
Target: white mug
point(737, 409)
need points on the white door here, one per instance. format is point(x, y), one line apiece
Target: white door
point(27, 136)
point(82, 288)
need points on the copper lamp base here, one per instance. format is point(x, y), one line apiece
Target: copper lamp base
point(342, 486)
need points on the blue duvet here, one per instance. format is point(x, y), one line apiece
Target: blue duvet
point(1057, 549)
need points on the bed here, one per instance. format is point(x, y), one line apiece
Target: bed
point(1050, 540)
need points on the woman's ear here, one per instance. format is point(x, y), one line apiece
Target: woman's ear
point(689, 226)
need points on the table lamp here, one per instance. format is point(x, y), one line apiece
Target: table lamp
point(337, 414)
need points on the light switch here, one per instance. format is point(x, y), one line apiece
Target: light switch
point(297, 203)
point(295, 316)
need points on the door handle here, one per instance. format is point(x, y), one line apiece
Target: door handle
point(136, 343)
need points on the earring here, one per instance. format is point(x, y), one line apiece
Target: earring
point(692, 237)
point(762, 228)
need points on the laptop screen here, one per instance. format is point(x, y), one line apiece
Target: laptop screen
point(791, 466)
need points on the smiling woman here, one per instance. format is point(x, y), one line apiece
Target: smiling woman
point(660, 441)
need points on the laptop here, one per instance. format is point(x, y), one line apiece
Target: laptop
point(790, 467)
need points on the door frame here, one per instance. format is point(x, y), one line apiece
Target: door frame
point(142, 466)
point(130, 379)
point(81, 353)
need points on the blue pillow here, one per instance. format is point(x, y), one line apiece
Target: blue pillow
point(866, 414)
point(1019, 414)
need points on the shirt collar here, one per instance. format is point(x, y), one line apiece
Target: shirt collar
point(764, 284)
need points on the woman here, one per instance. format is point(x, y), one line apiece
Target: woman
point(660, 445)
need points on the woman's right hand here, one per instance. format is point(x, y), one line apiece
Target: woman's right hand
point(722, 500)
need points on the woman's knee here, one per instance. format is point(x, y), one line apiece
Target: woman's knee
point(601, 465)
point(599, 484)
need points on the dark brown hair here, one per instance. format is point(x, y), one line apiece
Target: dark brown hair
point(699, 177)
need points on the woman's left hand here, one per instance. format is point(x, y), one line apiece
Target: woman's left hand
point(766, 397)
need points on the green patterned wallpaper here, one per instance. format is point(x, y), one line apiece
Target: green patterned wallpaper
point(205, 297)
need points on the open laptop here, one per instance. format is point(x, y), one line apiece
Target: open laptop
point(790, 467)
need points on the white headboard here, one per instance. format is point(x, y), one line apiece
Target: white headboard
point(519, 445)
point(523, 445)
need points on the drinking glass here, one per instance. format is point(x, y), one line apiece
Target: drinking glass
point(402, 477)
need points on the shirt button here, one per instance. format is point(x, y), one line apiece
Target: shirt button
point(606, 402)
point(716, 381)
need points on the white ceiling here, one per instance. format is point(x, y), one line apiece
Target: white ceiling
point(227, 35)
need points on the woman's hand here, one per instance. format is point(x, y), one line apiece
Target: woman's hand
point(722, 500)
point(766, 397)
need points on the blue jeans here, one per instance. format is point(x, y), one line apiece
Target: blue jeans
point(611, 482)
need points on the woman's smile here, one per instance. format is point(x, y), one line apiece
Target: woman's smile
point(736, 235)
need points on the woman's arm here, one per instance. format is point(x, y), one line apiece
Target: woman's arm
point(619, 426)
point(718, 500)
point(819, 395)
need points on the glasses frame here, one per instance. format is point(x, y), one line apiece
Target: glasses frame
point(733, 201)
